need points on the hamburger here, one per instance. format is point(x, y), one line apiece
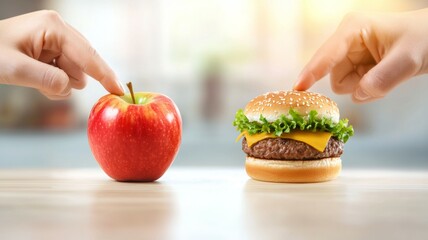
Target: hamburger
point(292, 136)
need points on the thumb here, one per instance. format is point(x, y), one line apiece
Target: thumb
point(50, 80)
point(396, 67)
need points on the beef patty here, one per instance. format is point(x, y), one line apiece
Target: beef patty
point(288, 149)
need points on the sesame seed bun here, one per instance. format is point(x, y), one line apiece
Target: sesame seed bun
point(274, 104)
point(293, 171)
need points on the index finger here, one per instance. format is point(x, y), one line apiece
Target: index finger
point(77, 49)
point(333, 51)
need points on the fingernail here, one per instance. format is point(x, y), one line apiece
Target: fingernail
point(361, 95)
point(296, 82)
point(121, 87)
point(295, 86)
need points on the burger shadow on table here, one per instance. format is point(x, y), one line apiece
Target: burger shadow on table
point(291, 210)
point(128, 210)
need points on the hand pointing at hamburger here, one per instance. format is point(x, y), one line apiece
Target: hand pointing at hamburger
point(41, 51)
point(370, 54)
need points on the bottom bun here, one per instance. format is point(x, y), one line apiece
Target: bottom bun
point(299, 171)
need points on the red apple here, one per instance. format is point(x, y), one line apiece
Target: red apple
point(135, 142)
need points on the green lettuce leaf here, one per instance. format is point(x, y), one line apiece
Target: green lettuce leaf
point(340, 130)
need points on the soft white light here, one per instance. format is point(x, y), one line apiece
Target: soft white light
point(170, 117)
point(111, 113)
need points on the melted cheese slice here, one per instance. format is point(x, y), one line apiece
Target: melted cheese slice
point(317, 140)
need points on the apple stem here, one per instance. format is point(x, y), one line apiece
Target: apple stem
point(129, 85)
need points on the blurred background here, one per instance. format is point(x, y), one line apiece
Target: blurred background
point(211, 57)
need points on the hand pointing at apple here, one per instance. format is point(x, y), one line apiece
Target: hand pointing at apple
point(41, 51)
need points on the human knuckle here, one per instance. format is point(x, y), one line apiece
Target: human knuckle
point(91, 54)
point(51, 16)
point(80, 84)
point(83, 82)
point(334, 83)
point(354, 19)
point(378, 85)
point(412, 62)
point(340, 88)
point(335, 87)
point(52, 81)
point(92, 51)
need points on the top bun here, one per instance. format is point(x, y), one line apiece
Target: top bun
point(274, 104)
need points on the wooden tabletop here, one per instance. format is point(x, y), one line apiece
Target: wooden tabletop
point(203, 203)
